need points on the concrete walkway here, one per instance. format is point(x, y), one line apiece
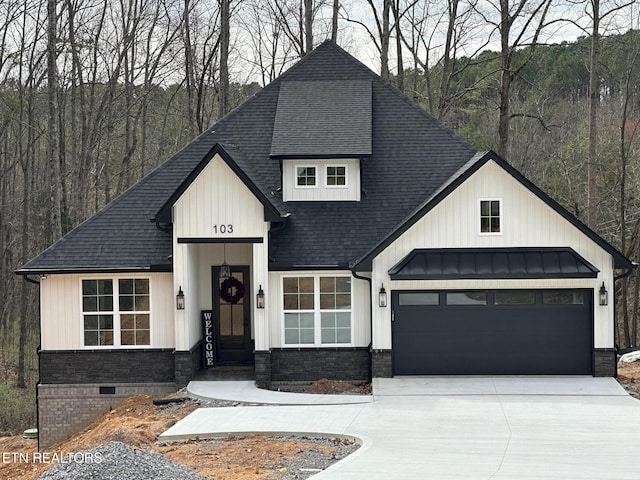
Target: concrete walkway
point(246, 391)
point(461, 428)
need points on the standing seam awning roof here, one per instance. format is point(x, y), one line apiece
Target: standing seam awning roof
point(488, 263)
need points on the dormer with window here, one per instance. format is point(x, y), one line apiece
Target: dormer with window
point(322, 133)
point(321, 180)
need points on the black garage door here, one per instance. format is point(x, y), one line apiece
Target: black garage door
point(497, 332)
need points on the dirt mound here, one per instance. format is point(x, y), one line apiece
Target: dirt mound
point(137, 422)
point(629, 378)
point(338, 387)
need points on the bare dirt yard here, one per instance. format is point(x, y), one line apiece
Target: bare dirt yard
point(629, 378)
point(138, 422)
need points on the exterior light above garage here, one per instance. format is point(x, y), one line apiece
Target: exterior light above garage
point(382, 297)
point(260, 298)
point(180, 299)
point(603, 296)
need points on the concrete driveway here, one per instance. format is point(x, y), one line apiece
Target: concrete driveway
point(461, 428)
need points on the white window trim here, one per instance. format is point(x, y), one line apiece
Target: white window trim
point(295, 181)
point(501, 217)
point(116, 314)
point(317, 324)
point(346, 176)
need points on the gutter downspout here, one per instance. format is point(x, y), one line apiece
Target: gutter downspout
point(615, 316)
point(370, 281)
point(36, 282)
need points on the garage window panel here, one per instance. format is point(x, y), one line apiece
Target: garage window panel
point(562, 298)
point(514, 297)
point(466, 298)
point(317, 310)
point(419, 298)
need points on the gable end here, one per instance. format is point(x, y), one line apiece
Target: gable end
point(271, 213)
point(479, 160)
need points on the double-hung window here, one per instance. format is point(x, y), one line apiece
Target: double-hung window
point(306, 177)
point(490, 217)
point(336, 176)
point(97, 308)
point(116, 312)
point(317, 310)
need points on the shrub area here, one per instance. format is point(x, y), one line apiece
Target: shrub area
point(17, 409)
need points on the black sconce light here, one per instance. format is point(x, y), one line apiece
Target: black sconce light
point(260, 298)
point(603, 296)
point(225, 269)
point(180, 299)
point(382, 297)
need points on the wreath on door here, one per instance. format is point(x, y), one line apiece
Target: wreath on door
point(227, 288)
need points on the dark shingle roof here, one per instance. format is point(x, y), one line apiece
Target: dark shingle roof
point(411, 157)
point(323, 119)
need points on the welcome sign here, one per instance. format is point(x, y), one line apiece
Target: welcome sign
point(208, 339)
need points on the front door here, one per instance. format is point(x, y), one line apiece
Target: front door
point(232, 310)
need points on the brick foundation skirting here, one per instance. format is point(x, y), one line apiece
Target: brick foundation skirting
point(107, 366)
point(309, 365)
point(66, 409)
point(262, 368)
point(604, 362)
point(382, 363)
point(187, 363)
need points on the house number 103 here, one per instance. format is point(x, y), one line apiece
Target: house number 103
point(222, 228)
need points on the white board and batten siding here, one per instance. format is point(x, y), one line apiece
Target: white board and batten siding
point(218, 204)
point(321, 191)
point(527, 221)
point(61, 309)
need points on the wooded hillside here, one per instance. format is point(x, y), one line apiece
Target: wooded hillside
point(94, 94)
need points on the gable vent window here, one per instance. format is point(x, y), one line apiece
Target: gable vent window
point(116, 312)
point(336, 176)
point(490, 216)
point(306, 176)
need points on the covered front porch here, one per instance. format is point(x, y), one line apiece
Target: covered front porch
point(218, 321)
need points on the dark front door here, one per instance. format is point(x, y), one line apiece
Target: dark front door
point(232, 310)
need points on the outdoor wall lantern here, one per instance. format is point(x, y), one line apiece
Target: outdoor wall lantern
point(180, 299)
point(225, 270)
point(603, 296)
point(260, 298)
point(382, 297)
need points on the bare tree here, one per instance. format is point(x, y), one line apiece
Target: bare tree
point(308, 25)
point(223, 95)
point(423, 28)
point(518, 24)
point(54, 126)
point(335, 11)
point(380, 33)
point(597, 16)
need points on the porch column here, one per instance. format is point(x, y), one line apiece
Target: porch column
point(261, 279)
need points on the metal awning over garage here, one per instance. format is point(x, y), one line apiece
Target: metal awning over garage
point(504, 263)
